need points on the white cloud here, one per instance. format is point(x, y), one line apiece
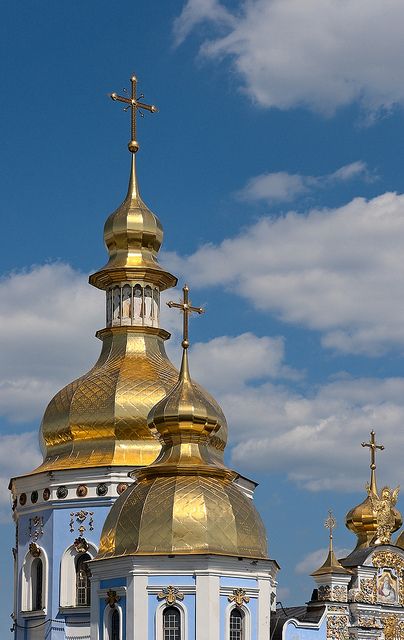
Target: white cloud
point(338, 271)
point(18, 452)
point(285, 187)
point(315, 559)
point(320, 54)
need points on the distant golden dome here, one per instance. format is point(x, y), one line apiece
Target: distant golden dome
point(364, 521)
point(187, 501)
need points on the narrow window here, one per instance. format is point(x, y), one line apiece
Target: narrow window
point(171, 624)
point(115, 625)
point(37, 582)
point(236, 625)
point(83, 587)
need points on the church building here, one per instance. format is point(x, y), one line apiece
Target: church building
point(134, 528)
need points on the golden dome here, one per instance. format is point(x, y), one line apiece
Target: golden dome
point(376, 518)
point(187, 501)
point(133, 235)
point(100, 419)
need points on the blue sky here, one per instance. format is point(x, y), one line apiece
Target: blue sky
point(276, 167)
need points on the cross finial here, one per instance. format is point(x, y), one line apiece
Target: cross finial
point(186, 308)
point(133, 103)
point(330, 524)
point(373, 446)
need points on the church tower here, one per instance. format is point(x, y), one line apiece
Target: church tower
point(94, 431)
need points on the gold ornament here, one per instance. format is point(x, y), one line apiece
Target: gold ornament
point(239, 597)
point(112, 598)
point(170, 594)
point(34, 550)
point(385, 514)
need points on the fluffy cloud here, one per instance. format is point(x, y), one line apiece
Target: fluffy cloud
point(315, 559)
point(18, 452)
point(337, 271)
point(50, 315)
point(321, 54)
point(285, 187)
point(313, 435)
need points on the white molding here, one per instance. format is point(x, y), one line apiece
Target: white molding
point(94, 612)
point(67, 583)
point(137, 605)
point(303, 625)
point(158, 620)
point(108, 611)
point(26, 581)
point(246, 621)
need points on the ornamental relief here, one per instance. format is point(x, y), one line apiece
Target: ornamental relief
point(366, 593)
point(337, 627)
point(338, 593)
point(393, 627)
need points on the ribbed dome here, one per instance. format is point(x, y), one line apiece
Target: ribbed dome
point(185, 502)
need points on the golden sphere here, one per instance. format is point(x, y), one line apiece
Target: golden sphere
point(133, 146)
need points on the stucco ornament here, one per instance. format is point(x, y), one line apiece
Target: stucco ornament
point(239, 597)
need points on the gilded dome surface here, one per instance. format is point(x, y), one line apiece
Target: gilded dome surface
point(183, 514)
point(101, 418)
point(186, 501)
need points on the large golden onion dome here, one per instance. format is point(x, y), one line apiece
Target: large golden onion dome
point(376, 518)
point(100, 419)
point(186, 502)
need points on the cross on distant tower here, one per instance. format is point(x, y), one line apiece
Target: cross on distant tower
point(134, 104)
point(373, 446)
point(187, 309)
point(330, 524)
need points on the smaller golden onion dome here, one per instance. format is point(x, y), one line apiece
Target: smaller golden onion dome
point(133, 235)
point(186, 502)
point(376, 518)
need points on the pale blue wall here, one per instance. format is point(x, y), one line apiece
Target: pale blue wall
point(295, 632)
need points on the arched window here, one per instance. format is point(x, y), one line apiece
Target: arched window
point(37, 584)
point(236, 625)
point(171, 624)
point(115, 625)
point(83, 587)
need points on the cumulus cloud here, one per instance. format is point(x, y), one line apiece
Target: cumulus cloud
point(320, 54)
point(337, 271)
point(285, 187)
point(18, 452)
point(315, 559)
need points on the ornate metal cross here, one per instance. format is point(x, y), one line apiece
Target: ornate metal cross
point(134, 104)
point(186, 308)
point(373, 446)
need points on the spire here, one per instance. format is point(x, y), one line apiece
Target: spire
point(133, 233)
point(331, 564)
point(186, 418)
point(373, 448)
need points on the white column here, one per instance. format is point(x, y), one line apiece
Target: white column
point(207, 607)
point(137, 618)
point(94, 611)
point(264, 609)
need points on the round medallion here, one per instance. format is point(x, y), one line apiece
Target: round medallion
point(23, 499)
point(122, 486)
point(34, 497)
point(46, 494)
point(62, 492)
point(102, 489)
point(81, 491)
